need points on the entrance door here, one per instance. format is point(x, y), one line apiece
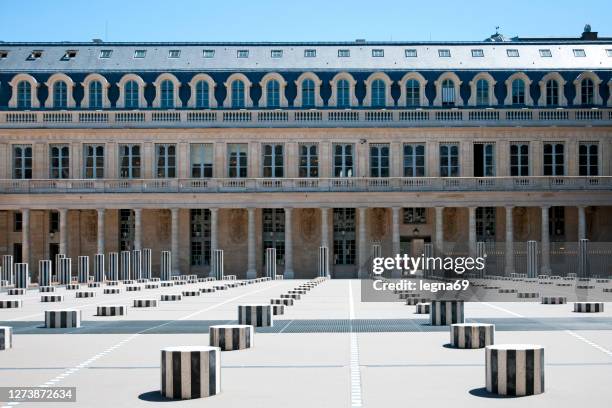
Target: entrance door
point(418, 247)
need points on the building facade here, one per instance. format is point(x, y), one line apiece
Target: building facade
point(191, 147)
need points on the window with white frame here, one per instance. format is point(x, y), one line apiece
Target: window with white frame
point(344, 236)
point(448, 93)
point(379, 160)
point(208, 53)
point(343, 160)
point(545, 53)
point(140, 53)
point(519, 159)
point(485, 224)
point(22, 161)
point(310, 53)
point(242, 53)
point(344, 53)
point(309, 160)
point(167, 94)
point(273, 160)
point(379, 93)
point(449, 160)
point(587, 92)
point(478, 53)
point(414, 160)
point(276, 53)
point(554, 159)
point(411, 53)
point(132, 95)
point(60, 95)
point(378, 52)
point(129, 161)
point(415, 215)
point(200, 236)
point(482, 93)
point(579, 52)
point(59, 161)
point(273, 94)
point(512, 53)
point(444, 53)
point(484, 160)
point(237, 160)
point(518, 92)
point(552, 93)
point(105, 54)
point(238, 97)
point(343, 94)
point(93, 166)
point(202, 155)
point(308, 93)
point(165, 160)
point(95, 95)
point(588, 159)
point(174, 53)
point(413, 93)
point(202, 95)
point(24, 95)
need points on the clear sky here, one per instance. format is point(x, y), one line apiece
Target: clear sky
point(296, 20)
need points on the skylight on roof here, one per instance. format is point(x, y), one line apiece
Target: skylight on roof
point(310, 53)
point(344, 53)
point(477, 53)
point(69, 54)
point(579, 52)
point(208, 53)
point(512, 53)
point(174, 53)
point(242, 54)
point(444, 53)
point(34, 55)
point(104, 54)
point(411, 53)
point(378, 53)
point(276, 53)
point(140, 53)
point(545, 53)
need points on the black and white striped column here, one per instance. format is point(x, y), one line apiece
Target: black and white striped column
point(166, 265)
point(323, 261)
point(146, 263)
point(136, 264)
point(423, 308)
point(217, 264)
point(588, 307)
point(52, 298)
point(472, 335)
point(63, 318)
point(532, 259)
point(271, 263)
point(112, 310)
point(231, 337)
point(6, 337)
point(111, 291)
point(11, 304)
point(83, 269)
point(170, 298)
point(583, 258)
point(85, 294)
point(44, 272)
point(284, 302)
point(7, 269)
point(99, 268)
point(124, 266)
point(65, 271)
point(554, 300)
point(256, 315)
point(446, 312)
point(57, 266)
point(189, 372)
point(145, 302)
point(515, 369)
point(22, 275)
point(113, 266)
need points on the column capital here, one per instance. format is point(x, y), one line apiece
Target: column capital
point(545, 206)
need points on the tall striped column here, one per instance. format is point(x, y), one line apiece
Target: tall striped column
point(532, 259)
point(113, 266)
point(481, 252)
point(583, 259)
point(83, 269)
point(136, 264)
point(217, 264)
point(57, 265)
point(7, 268)
point(44, 272)
point(124, 270)
point(166, 265)
point(146, 263)
point(65, 271)
point(98, 268)
point(323, 261)
point(271, 263)
point(22, 276)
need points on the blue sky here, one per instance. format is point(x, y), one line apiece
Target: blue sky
point(294, 20)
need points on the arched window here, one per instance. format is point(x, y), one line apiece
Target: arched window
point(413, 93)
point(202, 95)
point(131, 94)
point(378, 93)
point(482, 92)
point(95, 95)
point(343, 94)
point(552, 93)
point(308, 93)
point(518, 92)
point(60, 95)
point(24, 95)
point(273, 94)
point(238, 101)
point(167, 94)
point(587, 92)
point(448, 93)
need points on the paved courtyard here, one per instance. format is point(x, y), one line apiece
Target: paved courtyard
point(328, 350)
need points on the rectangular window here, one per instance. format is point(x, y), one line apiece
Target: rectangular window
point(411, 53)
point(378, 53)
point(105, 54)
point(415, 215)
point(414, 160)
point(208, 53)
point(70, 54)
point(309, 160)
point(579, 52)
point(449, 160)
point(588, 159)
point(174, 53)
point(273, 233)
point(311, 53)
point(129, 161)
point(343, 160)
point(273, 160)
point(545, 53)
point(379, 160)
point(519, 159)
point(344, 236)
point(17, 221)
point(512, 53)
point(59, 161)
point(140, 53)
point(93, 166)
point(276, 53)
point(53, 222)
point(165, 155)
point(127, 222)
point(344, 53)
point(200, 237)
point(237, 160)
point(554, 159)
point(485, 224)
point(444, 53)
point(22, 162)
point(556, 223)
point(477, 53)
point(242, 54)
point(484, 160)
point(202, 160)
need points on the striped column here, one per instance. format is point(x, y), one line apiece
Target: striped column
point(124, 266)
point(111, 310)
point(583, 259)
point(532, 259)
point(588, 307)
point(472, 335)
point(146, 263)
point(136, 264)
point(62, 318)
point(166, 265)
point(445, 312)
point(6, 337)
point(271, 263)
point(232, 337)
point(323, 261)
point(57, 266)
point(98, 268)
point(515, 369)
point(83, 269)
point(65, 271)
point(189, 372)
point(113, 266)
point(217, 264)
point(256, 315)
point(44, 272)
point(7, 268)
point(22, 275)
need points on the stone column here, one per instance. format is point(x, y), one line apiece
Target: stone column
point(439, 228)
point(363, 254)
point(395, 236)
point(288, 244)
point(325, 227)
point(251, 262)
point(175, 241)
point(214, 240)
point(63, 220)
point(138, 229)
point(509, 241)
point(545, 242)
point(581, 223)
point(101, 214)
point(472, 230)
point(25, 236)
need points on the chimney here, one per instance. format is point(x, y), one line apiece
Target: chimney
point(587, 34)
